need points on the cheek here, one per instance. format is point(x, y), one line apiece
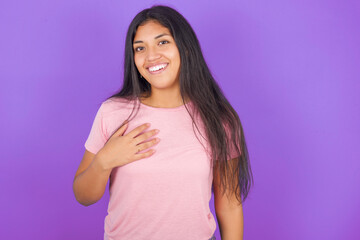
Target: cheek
point(138, 63)
point(175, 56)
point(177, 60)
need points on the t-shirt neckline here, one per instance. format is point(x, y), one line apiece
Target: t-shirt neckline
point(181, 107)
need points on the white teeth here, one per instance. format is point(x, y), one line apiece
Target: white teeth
point(157, 67)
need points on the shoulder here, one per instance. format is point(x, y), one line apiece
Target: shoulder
point(115, 105)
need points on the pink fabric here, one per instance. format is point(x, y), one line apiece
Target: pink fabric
point(165, 196)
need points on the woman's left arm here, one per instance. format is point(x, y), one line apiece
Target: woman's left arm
point(229, 212)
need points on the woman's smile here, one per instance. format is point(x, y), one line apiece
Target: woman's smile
point(156, 69)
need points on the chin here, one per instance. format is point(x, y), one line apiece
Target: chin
point(160, 83)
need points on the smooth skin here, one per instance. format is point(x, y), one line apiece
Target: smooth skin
point(94, 170)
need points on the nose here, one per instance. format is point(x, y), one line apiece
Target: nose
point(152, 54)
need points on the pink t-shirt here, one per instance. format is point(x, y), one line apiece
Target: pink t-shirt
point(164, 196)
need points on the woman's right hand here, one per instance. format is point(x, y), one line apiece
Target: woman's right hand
point(122, 149)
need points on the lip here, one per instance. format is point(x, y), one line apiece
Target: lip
point(158, 71)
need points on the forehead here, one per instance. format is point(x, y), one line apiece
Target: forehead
point(149, 30)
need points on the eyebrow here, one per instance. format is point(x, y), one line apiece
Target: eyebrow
point(159, 36)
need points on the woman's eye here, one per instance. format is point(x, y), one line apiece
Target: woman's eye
point(138, 49)
point(163, 42)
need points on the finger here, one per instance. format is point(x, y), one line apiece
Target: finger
point(120, 131)
point(144, 155)
point(145, 136)
point(148, 144)
point(138, 130)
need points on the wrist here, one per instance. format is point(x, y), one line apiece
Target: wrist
point(100, 164)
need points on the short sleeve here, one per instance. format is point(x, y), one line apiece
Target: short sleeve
point(96, 139)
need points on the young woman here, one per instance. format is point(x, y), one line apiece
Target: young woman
point(166, 140)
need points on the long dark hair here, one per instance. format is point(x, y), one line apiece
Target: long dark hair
point(222, 123)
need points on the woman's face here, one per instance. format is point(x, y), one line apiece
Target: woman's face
point(156, 55)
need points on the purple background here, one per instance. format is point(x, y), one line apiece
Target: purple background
point(290, 68)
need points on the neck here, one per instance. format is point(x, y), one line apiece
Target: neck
point(164, 100)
